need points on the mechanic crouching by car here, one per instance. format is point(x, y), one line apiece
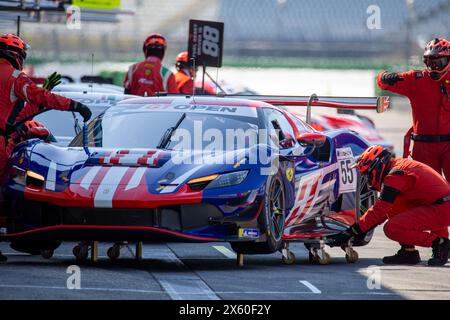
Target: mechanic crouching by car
point(429, 93)
point(185, 73)
point(20, 97)
point(148, 77)
point(414, 199)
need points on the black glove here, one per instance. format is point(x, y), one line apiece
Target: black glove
point(391, 78)
point(52, 81)
point(83, 110)
point(344, 237)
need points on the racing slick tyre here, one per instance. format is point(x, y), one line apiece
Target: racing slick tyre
point(34, 247)
point(365, 198)
point(271, 220)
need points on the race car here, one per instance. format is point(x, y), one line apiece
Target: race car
point(343, 119)
point(135, 174)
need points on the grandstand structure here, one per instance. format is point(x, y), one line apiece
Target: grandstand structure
point(254, 29)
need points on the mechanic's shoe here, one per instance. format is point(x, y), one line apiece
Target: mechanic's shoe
point(441, 250)
point(403, 257)
point(3, 258)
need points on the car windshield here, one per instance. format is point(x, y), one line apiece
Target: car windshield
point(137, 129)
point(62, 124)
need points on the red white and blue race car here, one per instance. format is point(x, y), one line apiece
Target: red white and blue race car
point(157, 169)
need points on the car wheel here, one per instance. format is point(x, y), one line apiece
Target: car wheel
point(271, 220)
point(365, 198)
point(34, 247)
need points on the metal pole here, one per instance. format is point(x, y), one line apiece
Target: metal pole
point(409, 22)
point(203, 79)
point(312, 98)
point(18, 26)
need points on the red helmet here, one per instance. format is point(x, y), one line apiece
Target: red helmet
point(437, 58)
point(33, 124)
point(154, 41)
point(13, 49)
point(183, 57)
point(372, 163)
point(183, 61)
point(35, 129)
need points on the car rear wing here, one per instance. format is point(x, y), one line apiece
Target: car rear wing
point(380, 104)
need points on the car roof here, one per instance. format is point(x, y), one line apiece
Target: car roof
point(88, 87)
point(96, 99)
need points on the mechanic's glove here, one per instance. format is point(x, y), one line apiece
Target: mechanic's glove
point(391, 78)
point(344, 237)
point(82, 109)
point(52, 81)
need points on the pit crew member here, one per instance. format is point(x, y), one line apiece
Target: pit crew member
point(429, 93)
point(20, 96)
point(185, 73)
point(415, 201)
point(148, 77)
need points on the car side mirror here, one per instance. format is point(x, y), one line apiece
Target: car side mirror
point(311, 139)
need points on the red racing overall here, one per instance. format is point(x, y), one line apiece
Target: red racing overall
point(184, 81)
point(415, 200)
point(19, 98)
point(148, 77)
point(430, 103)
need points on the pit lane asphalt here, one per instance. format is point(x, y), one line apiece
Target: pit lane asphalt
point(200, 271)
point(209, 271)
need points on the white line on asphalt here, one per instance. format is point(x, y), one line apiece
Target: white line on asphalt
point(81, 289)
point(225, 251)
point(370, 293)
point(191, 293)
point(182, 289)
point(310, 287)
point(182, 284)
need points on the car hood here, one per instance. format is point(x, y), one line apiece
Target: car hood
point(130, 167)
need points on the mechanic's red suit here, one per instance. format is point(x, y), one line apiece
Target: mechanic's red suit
point(148, 77)
point(19, 98)
point(415, 200)
point(184, 81)
point(430, 105)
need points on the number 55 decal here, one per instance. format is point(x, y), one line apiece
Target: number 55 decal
point(347, 175)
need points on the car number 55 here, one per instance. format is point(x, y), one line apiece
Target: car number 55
point(347, 175)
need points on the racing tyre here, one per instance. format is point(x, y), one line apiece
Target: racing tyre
point(34, 247)
point(365, 198)
point(271, 220)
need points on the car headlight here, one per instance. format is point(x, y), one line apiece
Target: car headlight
point(27, 177)
point(218, 180)
point(34, 179)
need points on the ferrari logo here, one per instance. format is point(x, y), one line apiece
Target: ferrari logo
point(289, 174)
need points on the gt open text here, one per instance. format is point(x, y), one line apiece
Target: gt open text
point(226, 309)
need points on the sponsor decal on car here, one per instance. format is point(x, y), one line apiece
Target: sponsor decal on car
point(347, 175)
point(248, 233)
point(290, 174)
